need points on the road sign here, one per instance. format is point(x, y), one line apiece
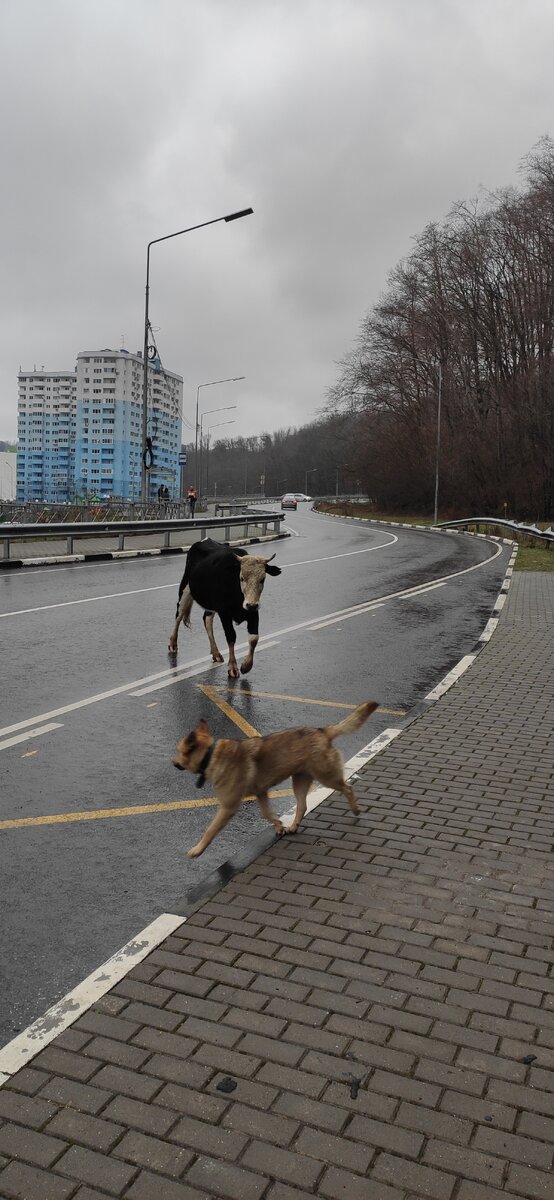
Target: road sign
point(182, 460)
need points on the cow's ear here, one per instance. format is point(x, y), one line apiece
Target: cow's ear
point(272, 570)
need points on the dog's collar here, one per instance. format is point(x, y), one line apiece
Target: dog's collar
point(203, 767)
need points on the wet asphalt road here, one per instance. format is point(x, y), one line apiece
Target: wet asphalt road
point(84, 647)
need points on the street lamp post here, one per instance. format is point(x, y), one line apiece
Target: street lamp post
point(310, 472)
point(226, 408)
point(438, 445)
point(245, 212)
point(216, 426)
point(214, 382)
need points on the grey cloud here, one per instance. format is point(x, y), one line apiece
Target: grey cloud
point(347, 125)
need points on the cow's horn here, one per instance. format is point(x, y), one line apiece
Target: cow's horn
point(268, 560)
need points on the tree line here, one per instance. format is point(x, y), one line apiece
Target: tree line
point(317, 459)
point(464, 330)
point(467, 320)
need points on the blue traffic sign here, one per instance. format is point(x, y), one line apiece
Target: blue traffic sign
point(182, 460)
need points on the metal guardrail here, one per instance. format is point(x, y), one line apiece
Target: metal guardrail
point(123, 529)
point(543, 535)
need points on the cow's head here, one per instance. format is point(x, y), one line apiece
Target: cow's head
point(253, 570)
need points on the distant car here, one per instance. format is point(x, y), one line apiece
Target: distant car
point(300, 496)
point(289, 501)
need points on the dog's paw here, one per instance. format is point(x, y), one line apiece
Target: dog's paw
point(280, 829)
point(194, 852)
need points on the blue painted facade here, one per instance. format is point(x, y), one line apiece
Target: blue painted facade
point(87, 443)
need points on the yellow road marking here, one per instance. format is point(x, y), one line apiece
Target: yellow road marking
point(153, 705)
point(229, 712)
point(29, 753)
point(137, 810)
point(221, 687)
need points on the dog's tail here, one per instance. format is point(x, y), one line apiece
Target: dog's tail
point(353, 721)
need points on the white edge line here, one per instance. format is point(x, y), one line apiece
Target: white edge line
point(451, 678)
point(24, 737)
point(26, 1045)
point(489, 629)
point(353, 765)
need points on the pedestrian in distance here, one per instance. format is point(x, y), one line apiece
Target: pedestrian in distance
point(192, 496)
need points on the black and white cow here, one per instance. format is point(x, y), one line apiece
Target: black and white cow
point(228, 582)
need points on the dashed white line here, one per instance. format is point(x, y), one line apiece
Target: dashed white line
point(24, 737)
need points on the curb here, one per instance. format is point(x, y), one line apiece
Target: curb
point(113, 555)
point(27, 1044)
point(17, 1053)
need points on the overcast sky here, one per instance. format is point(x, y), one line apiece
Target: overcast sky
point(347, 125)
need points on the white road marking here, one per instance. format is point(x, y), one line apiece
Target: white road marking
point(162, 586)
point(170, 673)
point(346, 616)
point(24, 737)
point(27, 1044)
point(347, 554)
point(210, 666)
point(159, 587)
point(451, 678)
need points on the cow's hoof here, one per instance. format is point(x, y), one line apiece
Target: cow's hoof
point(172, 650)
point(245, 667)
point(217, 658)
point(233, 673)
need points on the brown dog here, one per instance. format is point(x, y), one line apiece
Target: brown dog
point(242, 768)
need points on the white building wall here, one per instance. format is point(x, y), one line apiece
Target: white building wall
point(8, 474)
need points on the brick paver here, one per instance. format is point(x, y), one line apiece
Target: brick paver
point(379, 990)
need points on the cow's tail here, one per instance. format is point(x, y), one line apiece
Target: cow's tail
point(353, 721)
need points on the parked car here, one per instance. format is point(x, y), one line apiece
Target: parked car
point(300, 496)
point(289, 501)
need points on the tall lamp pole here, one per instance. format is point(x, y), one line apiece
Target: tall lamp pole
point(245, 212)
point(438, 445)
point(310, 472)
point(226, 408)
point(216, 426)
point(214, 382)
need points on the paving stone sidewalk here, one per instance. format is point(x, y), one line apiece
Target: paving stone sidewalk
point(380, 991)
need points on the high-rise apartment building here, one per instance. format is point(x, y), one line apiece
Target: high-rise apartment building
point(46, 435)
point(80, 434)
point(108, 436)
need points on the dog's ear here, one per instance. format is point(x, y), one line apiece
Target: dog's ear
point(269, 570)
point(202, 725)
point(190, 740)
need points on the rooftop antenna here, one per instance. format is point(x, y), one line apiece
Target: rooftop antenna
point(122, 347)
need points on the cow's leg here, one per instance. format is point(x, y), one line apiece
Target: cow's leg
point(252, 625)
point(229, 631)
point(183, 614)
point(301, 785)
point(208, 620)
point(263, 801)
